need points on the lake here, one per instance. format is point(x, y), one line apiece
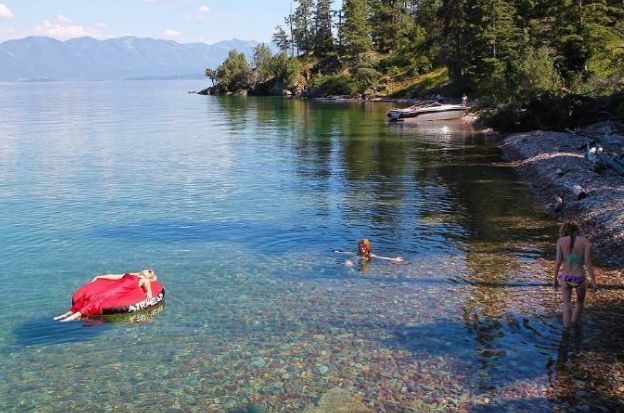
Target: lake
point(238, 204)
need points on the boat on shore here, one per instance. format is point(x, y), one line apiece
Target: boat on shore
point(429, 112)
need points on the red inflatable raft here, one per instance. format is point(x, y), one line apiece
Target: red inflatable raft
point(115, 296)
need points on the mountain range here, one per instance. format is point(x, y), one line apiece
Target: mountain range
point(86, 58)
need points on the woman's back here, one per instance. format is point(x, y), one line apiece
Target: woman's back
point(573, 254)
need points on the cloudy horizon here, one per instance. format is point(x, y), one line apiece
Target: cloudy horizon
point(184, 21)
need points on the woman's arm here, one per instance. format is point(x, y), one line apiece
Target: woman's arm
point(147, 286)
point(557, 266)
point(396, 259)
point(108, 277)
point(588, 264)
point(344, 252)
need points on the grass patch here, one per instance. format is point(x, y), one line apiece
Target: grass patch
point(430, 83)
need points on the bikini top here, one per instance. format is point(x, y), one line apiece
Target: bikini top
point(572, 259)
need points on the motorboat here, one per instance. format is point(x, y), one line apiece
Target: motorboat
point(429, 112)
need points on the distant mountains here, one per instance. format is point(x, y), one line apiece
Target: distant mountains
point(86, 58)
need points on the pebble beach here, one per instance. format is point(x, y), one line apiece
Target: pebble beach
point(554, 163)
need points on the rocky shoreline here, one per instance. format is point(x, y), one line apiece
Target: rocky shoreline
point(566, 180)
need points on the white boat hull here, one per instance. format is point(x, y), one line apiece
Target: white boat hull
point(442, 112)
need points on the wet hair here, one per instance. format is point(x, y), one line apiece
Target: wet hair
point(571, 229)
point(366, 245)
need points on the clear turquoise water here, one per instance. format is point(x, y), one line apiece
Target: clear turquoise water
point(238, 203)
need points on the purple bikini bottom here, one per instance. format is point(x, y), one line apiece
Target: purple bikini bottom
point(572, 280)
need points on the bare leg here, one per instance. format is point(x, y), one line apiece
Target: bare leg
point(72, 317)
point(63, 315)
point(566, 291)
point(580, 301)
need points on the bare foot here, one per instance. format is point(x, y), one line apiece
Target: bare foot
point(72, 317)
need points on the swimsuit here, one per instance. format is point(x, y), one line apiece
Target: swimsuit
point(92, 304)
point(573, 260)
point(572, 280)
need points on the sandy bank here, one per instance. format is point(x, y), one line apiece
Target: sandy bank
point(555, 164)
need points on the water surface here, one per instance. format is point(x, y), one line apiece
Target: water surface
point(238, 203)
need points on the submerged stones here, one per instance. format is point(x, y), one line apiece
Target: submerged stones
point(338, 400)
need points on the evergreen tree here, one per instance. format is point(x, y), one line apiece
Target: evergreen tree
point(212, 75)
point(615, 50)
point(339, 19)
point(234, 73)
point(323, 41)
point(453, 38)
point(387, 19)
point(281, 39)
point(303, 32)
point(287, 70)
point(425, 14)
point(491, 58)
point(263, 63)
point(355, 29)
point(580, 31)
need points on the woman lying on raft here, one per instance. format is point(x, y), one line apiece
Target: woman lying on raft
point(365, 252)
point(85, 304)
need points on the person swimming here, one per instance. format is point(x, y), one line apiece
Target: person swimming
point(574, 255)
point(365, 252)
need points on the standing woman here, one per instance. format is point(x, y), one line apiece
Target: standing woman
point(574, 253)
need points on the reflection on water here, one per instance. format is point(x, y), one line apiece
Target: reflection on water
point(239, 204)
point(48, 332)
point(145, 316)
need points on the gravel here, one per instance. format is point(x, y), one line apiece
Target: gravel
point(554, 163)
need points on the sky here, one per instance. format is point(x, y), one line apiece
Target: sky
point(185, 21)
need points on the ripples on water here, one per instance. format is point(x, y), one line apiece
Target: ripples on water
point(239, 204)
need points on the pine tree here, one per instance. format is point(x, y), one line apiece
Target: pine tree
point(323, 41)
point(281, 39)
point(263, 60)
point(579, 32)
point(303, 32)
point(234, 73)
point(425, 14)
point(615, 50)
point(453, 37)
point(387, 20)
point(355, 29)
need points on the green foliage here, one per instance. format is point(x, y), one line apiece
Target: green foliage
point(386, 21)
point(263, 61)
point(323, 39)
point(337, 84)
point(538, 75)
point(355, 29)
point(234, 73)
point(365, 79)
point(579, 32)
point(212, 75)
point(432, 83)
point(505, 53)
point(554, 112)
point(281, 39)
point(287, 70)
point(303, 32)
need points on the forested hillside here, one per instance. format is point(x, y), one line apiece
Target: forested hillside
point(507, 55)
